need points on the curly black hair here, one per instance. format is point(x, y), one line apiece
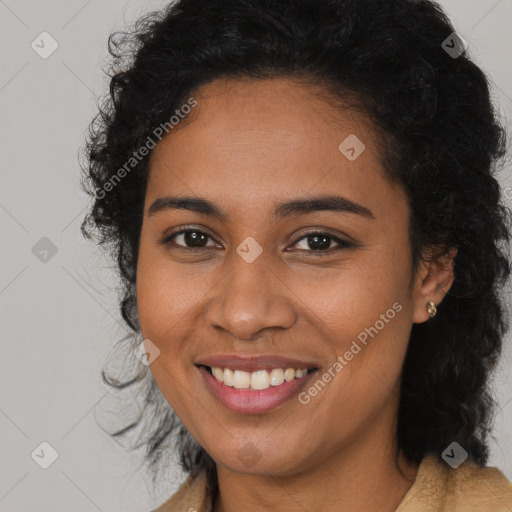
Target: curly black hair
point(440, 137)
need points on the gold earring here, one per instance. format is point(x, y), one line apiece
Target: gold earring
point(431, 308)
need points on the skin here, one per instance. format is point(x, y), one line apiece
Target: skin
point(247, 146)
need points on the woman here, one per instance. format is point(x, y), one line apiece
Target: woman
point(303, 204)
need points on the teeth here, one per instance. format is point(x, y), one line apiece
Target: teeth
point(241, 380)
point(260, 380)
point(257, 380)
point(276, 377)
point(228, 377)
point(218, 374)
point(289, 374)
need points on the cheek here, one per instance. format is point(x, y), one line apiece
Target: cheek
point(161, 305)
point(351, 297)
point(363, 313)
point(164, 297)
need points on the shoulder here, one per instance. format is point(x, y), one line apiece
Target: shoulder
point(192, 496)
point(467, 488)
point(483, 488)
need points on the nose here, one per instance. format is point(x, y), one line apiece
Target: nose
point(250, 299)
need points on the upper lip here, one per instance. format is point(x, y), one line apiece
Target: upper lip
point(250, 363)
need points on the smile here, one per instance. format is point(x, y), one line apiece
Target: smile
point(255, 392)
point(258, 380)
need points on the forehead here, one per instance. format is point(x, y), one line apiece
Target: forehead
point(257, 140)
point(282, 114)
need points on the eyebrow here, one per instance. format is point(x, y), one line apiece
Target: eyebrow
point(282, 210)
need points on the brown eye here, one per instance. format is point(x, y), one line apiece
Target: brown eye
point(321, 242)
point(189, 239)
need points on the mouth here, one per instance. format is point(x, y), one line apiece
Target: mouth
point(259, 391)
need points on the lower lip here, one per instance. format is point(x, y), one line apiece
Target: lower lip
point(251, 401)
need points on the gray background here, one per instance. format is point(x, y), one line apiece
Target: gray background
point(59, 318)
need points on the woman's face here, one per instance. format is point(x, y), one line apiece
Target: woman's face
point(251, 291)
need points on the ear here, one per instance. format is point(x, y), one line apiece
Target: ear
point(433, 279)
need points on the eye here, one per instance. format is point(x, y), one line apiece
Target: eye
point(189, 239)
point(315, 242)
point(321, 242)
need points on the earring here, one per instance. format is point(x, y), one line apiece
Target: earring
point(431, 308)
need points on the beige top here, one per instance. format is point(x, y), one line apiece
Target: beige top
point(437, 488)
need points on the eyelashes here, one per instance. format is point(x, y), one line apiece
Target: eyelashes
point(322, 239)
